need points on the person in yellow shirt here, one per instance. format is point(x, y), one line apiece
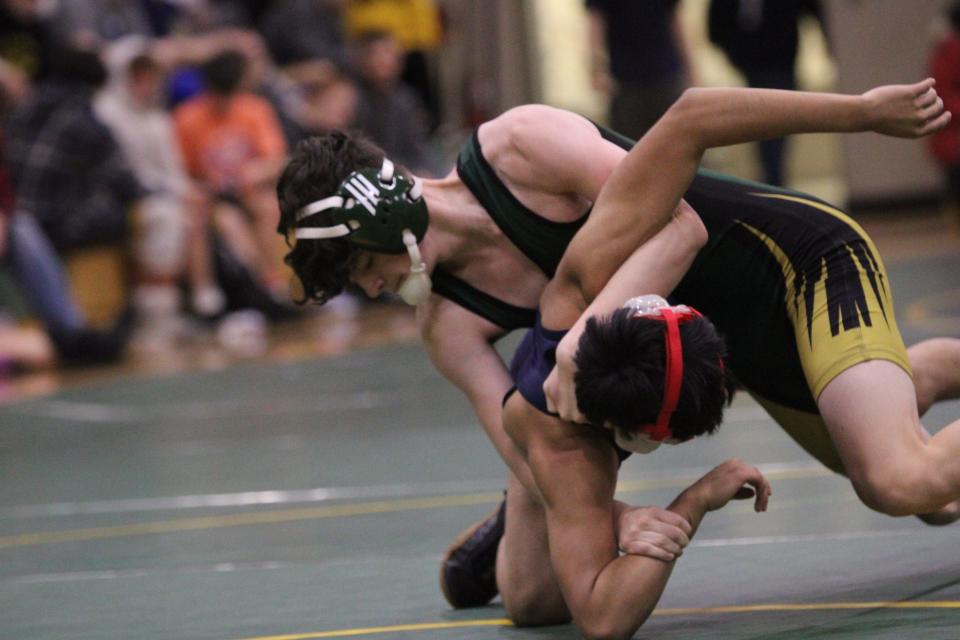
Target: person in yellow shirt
point(417, 26)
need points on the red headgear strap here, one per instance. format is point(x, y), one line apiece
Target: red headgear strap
point(673, 374)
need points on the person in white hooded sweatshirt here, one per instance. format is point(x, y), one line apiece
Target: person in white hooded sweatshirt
point(171, 238)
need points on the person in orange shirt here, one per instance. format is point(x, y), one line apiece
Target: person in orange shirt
point(233, 144)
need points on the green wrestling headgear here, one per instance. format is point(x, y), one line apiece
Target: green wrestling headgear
point(379, 211)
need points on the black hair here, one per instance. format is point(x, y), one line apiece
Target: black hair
point(621, 360)
point(223, 73)
point(316, 168)
point(954, 15)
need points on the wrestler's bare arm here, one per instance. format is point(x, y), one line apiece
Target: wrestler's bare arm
point(460, 345)
point(645, 187)
point(545, 155)
point(657, 266)
point(575, 468)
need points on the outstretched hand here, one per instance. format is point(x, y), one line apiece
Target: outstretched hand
point(906, 110)
point(732, 480)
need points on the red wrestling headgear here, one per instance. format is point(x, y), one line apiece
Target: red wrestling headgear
point(656, 308)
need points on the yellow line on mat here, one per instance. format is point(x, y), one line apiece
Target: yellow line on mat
point(502, 622)
point(427, 626)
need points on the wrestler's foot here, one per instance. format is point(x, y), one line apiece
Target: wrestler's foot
point(468, 571)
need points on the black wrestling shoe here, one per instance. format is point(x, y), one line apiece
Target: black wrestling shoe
point(468, 571)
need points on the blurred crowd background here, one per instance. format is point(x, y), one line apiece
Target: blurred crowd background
point(141, 140)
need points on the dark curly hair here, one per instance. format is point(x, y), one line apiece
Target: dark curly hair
point(316, 168)
point(620, 374)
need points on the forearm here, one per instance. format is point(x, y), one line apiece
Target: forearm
point(489, 413)
point(656, 267)
point(689, 507)
point(642, 192)
point(716, 117)
point(627, 589)
point(467, 359)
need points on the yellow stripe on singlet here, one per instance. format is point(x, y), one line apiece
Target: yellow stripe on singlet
point(828, 343)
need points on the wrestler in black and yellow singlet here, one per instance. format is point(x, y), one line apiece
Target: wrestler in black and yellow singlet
point(795, 286)
point(799, 292)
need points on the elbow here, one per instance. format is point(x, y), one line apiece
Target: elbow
point(686, 117)
point(603, 628)
point(694, 232)
point(688, 105)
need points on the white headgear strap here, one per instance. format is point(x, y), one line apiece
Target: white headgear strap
point(387, 172)
point(321, 233)
point(418, 285)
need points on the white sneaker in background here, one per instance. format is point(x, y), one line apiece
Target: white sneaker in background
point(243, 333)
point(208, 301)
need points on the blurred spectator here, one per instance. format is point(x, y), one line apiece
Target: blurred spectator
point(174, 215)
point(304, 30)
point(328, 101)
point(234, 147)
point(67, 168)
point(14, 86)
point(389, 111)
point(89, 23)
point(27, 38)
point(760, 37)
point(37, 270)
point(417, 26)
point(945, 68)
point(23, 349)
point(639, 58)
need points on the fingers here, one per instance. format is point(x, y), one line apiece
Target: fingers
point(935, 125)
point(651, 524)
point(678, 521)
point(933, 110)
point(648, 550)
point(757, 485)
point(762, 487)
point(927, 98)
point(652, 545)
point(923, 86)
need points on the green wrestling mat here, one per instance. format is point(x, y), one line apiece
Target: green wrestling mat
point(314, 499)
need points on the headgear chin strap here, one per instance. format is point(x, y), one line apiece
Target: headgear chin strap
point(380, 211)
point(417, 286)
point(656, 308)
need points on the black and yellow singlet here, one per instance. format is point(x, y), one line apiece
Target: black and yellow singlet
point(794, 284)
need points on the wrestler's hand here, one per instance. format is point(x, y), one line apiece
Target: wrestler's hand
point(559, 386)
point(732, 480)
point(906, 110)
point(652, 532)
